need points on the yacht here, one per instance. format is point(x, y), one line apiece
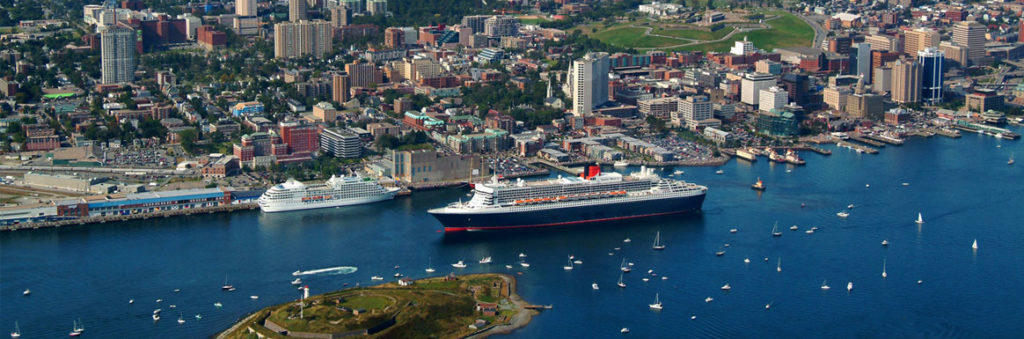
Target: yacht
point(793, 228)
point(625, 268)
point(733, 230)
point(627, 240)
point(297, 281)
point(430, 266)
point(459, 264)
point(376, 277)
point(719, 172)
point(156, 317)
point(974, 246)
point(594, 286)
point(885, 242)
point(486, 260)
point(522, 255)
point(726, 287)
point(746, 260)
point(849, 286)
point(842, 214)
point(621, 164)
point(624, 330)
point(657, 303)
point(825, 286)
point(759, 185)
point(180, 320)
point(26, 292)
point(709, 299)
point(775, 230)
point(227, 287)
point(524, 264)
point(218, 305)
point(17, 331)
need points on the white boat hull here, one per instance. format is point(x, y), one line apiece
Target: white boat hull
point(298, 205)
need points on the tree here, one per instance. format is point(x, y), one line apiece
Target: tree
point(188, 137)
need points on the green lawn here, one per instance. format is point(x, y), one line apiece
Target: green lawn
point(633, 37)
point(531, 20)
point(367, 302)
point(695, 34)
point(787, 31)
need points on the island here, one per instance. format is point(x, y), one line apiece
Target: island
point(451, 306)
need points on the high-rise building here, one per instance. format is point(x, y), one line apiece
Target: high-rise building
point(970, 34)
point(302, 38)
point(751, 86)
point(906, 81)
point(377, 7)
point(883, 43)
point(743, 47)
point(341, 143)
point(919, 39)
point(955, 54)
point(340, 87)
point(117, 46)
point(363, 75)
point(588, 82)
point(299, 137)
point(340, 16)
point(694, 109)
point(501, 25)
point(1020, 31)
point(931, 79)
point(297, 10)
point(862, 60)
point(475, 22)
point(797, 86)
point(883, 79)
point(394, 37)
point(245, 7)
point(772, 98)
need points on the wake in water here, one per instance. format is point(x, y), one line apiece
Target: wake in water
point(328, 271)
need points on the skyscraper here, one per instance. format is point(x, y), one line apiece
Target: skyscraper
point(117, 46)
point(970, 34)
point(297, 10)
point(751, 86)
point(297, 39)
point(588, 82)
point(245, 7)
point(862, 60)
point(340, 87)
point(906, 81)
point(340, 16)
point(919, 39)
point(772, 98)
point(931, 79)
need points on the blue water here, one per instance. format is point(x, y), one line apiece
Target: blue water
point(963, 187)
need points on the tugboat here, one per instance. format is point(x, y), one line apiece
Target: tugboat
point(793, 158)
point(759, 185)
point(774, 156)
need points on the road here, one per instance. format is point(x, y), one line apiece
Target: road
point(819, 32)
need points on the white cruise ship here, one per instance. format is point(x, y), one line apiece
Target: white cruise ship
point(293, 195)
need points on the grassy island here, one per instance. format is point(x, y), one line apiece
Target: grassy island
point(442, 307)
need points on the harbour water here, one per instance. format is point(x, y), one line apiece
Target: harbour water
point(963, 188)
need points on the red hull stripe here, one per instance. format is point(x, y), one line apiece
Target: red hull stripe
point(462, 229)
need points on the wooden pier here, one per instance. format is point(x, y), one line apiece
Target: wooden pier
point(862, 148)
point(943, 132)
point(891, 141)
point(866, 141)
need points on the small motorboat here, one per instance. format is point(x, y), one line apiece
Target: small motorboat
point(885, 242)
point(218, 305)
point(297, 281)
point(459, 264)
point(26, 292)
point(485, 260)
point(733, 230)
point(594, 286)
point(726, 287)
point(793, 228)
point(709, 299)
point(624, 330)
point(376, 277)
point(254, 297)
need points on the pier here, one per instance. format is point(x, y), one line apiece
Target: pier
point(864, 140)
point(888, 140)
point(944, 132)
point(139, 216)
point(818, 150)
point(858, 147)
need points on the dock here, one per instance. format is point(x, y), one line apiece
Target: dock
point(888, 140)
point(538, 307)
point(818, 150)
point(864, 140)
point(859, 147)
point(138, 216)
point(944, 132)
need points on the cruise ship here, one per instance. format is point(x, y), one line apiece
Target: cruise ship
point(592, 197)
point(293, 195)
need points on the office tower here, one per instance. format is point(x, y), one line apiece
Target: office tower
point(772, 98)
point(694, 109)
point(588, 82)
point(751, 86)
point(797, 86)
point(883, 79)
point(340, 87)
point(919, 39)
point(117, 46)
point(297, 10)
point(298, 39)
point(883, 43)
point(245, 7)
point(906, 81)
point(340, 16)
point(341, 143)
point(862, 61)
point(970, 34)
point(931, 79)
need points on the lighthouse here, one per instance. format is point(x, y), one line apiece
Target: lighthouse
point(305, 292)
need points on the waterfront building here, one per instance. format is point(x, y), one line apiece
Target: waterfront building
point(427, 166)
point(984, 100)
point(302, 38)
point(906, 81)
point(777, 123)
point(717, 136)
point(751, 86)
point(299, 137)
point(970, 34)
point(588, 82)
point(931, 79)
point(341, 143)
point(117, 56)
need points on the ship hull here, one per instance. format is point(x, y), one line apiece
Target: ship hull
point(298, 205)
point(458, 221)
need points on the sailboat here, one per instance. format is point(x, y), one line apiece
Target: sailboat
point(621, 284)
point(974, 246)
point(657, 242)
point(430, 265)
point(775, 230)
point(778, 267)
point(1010, 162)
point(17, 331)
point(568, 265)
point(227, 287)
point(623, 267)
point(920, 220)
point(180, 319)
point(657, 306)
point(884, 275)
point(825, 286)
point(76, 331)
